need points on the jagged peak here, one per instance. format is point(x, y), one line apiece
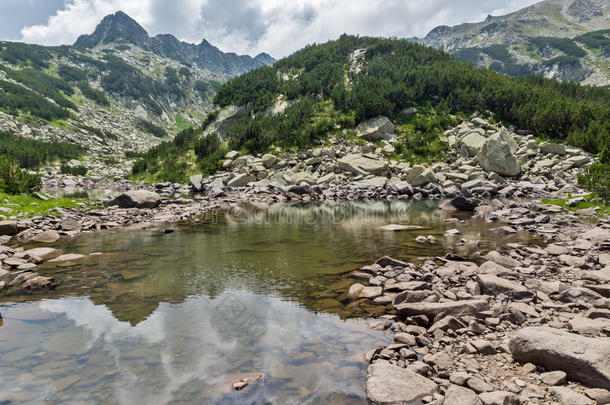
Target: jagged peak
point(117, 27)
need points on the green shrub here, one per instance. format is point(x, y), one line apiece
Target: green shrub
point(14, 180)
point(97, 96)
point(151, 128)
point(30, 153)
point(71, 74)
point(206, 145)
point(16, 99)
point(596, 178)
point(74, 170)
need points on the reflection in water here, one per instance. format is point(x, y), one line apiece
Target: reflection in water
point(176, 318)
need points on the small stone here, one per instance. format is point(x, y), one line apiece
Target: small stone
point(553, 378)
point(567, 396)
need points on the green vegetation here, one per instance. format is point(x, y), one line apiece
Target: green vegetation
point(31, 153)
point(182, 123)
point(565, 45)
point(28, 206)
point(97, 96)
point(71, 74)
point(596, 178)
point(589, 201)
point(151, 128)
point(127, 81)
point(419, 136)
point(44, 84)
point(99, 132)
point(187, 153)
point(74, 170)
point(399, 74)
point(15, 180)
point(18, 53)
point(15, 99)
point(206, 89)
point(596, 40)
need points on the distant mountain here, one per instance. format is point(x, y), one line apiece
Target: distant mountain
point(568, 40)
point(117, 90)
point(119, 28)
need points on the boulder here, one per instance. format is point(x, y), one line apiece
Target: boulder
point(241, 180)
point(269, 160)
point(196, 182)
point(491, 284)
point(137, 199)
point(555, 148)
point(46, 237)
point(583, 359)
point(496, 156)
point(567, 396)
point(420, 176)
point(364, 165)
point(432, 309)
point(376, 129)
point(461, 395)
point(40, 283)
point(499, 398)
point(387, 384)
point(473, 143)
point(9, 228)
point(506, 137)
point(460, 204)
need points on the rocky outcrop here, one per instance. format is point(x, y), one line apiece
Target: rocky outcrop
point(227, 119)
point(584, 359)
point(376, 129)
point(137, 199)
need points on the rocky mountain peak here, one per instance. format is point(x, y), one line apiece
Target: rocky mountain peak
point(118, 27)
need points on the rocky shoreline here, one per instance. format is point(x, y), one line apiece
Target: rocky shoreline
point(518, 325)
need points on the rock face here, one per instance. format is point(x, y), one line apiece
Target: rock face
point(227, 119)
point(496, 156)
point(387, 384)
point(137, 199)
point(583, 359)
point(376, 129)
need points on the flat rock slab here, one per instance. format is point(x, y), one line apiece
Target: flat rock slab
point(387, 384)
point(396, 227)
point(40, 252)
point(67, 257)
point(453, 308)
point(583, 359)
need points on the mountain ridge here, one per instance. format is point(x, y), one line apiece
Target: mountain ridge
point(120, 28)
point(548, 38)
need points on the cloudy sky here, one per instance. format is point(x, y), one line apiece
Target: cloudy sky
point(278, 27)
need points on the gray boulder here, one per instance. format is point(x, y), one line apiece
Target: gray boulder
point(496, 156)
point(505, 136)
point(420, 176)
point(583, 359)
point(473, 143)
point(364, 165)
point(461, 395)
point(137, 199)
point(376, 129)
point(195, 182)
point(387, 384)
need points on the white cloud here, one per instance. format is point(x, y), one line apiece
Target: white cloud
point(274, 26)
